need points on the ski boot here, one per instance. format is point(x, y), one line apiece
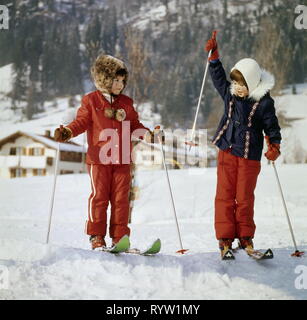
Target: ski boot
point(225, 246)
point(246, 243)
point(115, 241)
point(97, 242)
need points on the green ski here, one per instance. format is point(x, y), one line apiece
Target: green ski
point(153, 249)
point(121, 246)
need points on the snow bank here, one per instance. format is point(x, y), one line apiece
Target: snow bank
point(68, 273)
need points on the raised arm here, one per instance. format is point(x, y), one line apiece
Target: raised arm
point(216, 68)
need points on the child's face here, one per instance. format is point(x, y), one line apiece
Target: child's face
point(118, 85)
point(240, 91)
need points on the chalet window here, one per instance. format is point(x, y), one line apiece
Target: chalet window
point(49, 161)
point(36, 151)
point(39, 172)
point(66, 172)
point(71, 156)
point(18, 172)
point(18, 151)
point(13, 173)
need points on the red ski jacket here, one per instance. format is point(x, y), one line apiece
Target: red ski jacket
point(109, 140)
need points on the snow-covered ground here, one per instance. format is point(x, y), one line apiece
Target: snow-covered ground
point(294, 144)
point(67, 269)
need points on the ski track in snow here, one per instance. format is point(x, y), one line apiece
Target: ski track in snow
point(66, 269)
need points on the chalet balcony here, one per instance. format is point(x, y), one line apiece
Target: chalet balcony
point(37, 162)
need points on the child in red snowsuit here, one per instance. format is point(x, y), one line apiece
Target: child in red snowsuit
point(109, 118)
point(248, 111)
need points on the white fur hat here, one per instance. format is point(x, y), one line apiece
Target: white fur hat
point(104, 71)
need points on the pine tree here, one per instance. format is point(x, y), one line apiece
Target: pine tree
point(109, 31)
point(93, 39)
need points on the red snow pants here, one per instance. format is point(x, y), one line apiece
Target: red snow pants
point(234, 201)
point(110, 183)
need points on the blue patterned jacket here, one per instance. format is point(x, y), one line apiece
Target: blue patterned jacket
point(245, 119)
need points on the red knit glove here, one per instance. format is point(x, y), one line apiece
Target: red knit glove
point(273, 150)
point(212, 45)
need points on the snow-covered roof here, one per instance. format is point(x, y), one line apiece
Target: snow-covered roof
point(47, 141)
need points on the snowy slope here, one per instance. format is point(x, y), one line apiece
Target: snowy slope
point(153, 14)
point(294, 137)
point(68, 270)
point(6, 76)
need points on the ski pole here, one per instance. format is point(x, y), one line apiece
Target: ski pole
point(182, 251)
point(297, 253)
point(54, 185)
point(191, 143)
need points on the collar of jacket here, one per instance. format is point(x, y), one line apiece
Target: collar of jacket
point(105, 97)
point(266, 83)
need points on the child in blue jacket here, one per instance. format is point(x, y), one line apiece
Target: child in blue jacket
point(248, 112)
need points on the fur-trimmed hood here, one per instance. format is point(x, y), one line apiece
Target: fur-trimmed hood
point(104, 70)
point(259, 80)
